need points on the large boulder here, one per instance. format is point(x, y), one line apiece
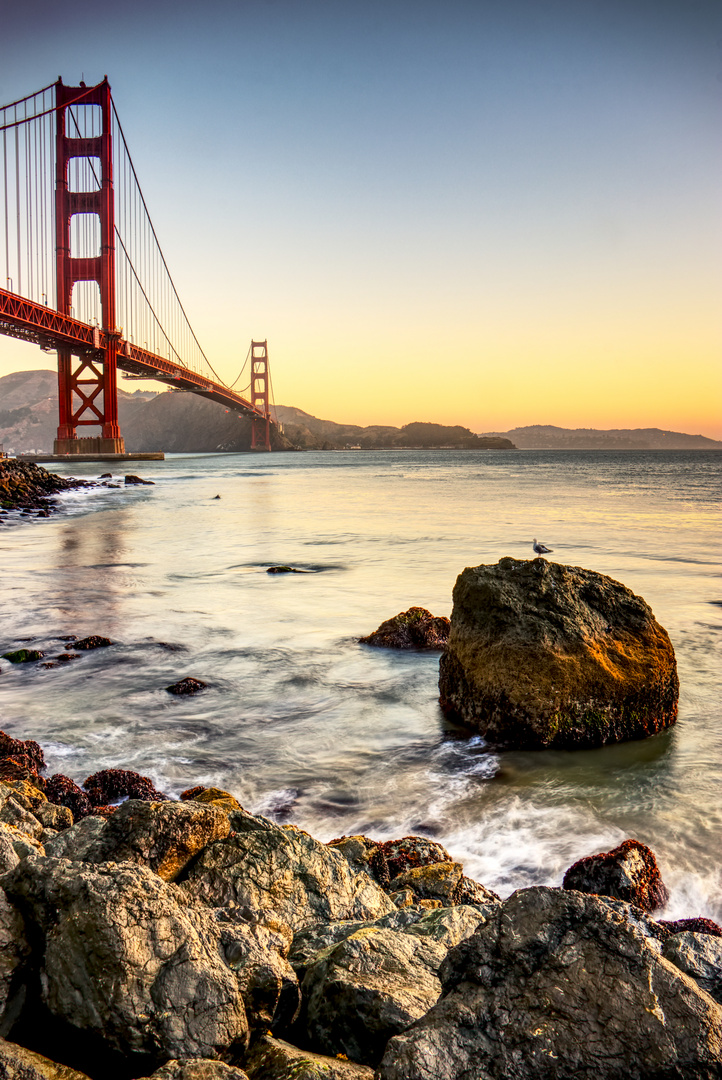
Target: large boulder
point(370, 986)
point(378, 979)
point(562, 985)
point(628, 872)
point(125, 957)
point(280, 870)
point(543, 655)
point(163, 836)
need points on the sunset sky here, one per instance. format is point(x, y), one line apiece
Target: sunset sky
point(485, 213)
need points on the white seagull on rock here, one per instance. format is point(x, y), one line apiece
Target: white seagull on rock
point(539, 549)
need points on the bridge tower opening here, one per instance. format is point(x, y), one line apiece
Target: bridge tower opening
point(260, 426)
point(87, 390)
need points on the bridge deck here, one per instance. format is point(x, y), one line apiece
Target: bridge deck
point(43, 326)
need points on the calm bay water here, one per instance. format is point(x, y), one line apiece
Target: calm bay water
point(304, 724)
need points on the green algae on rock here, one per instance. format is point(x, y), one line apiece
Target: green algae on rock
point(543, 655)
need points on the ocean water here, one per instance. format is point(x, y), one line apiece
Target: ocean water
point(305, 725)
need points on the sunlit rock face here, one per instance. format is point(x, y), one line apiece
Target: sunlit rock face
point(546, 655)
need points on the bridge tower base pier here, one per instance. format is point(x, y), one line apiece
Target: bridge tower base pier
point(260, 425)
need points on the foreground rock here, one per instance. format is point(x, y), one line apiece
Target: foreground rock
point(17, 1063)
point(378, 979)
point(561, 985)
point(162, 836)
point(283, 871)
point(541, 654)
point(416, 628)
point(200, 1069)
point(628, 872)
point(126, 958)
point(273, 1059)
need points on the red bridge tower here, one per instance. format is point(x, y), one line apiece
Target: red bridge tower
point(87, 393)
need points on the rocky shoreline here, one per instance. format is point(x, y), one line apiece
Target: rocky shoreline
point(30, 489)
point(191, 940)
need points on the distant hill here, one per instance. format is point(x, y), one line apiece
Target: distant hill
point(309, 432)
point(547, 437)
point(185, 422)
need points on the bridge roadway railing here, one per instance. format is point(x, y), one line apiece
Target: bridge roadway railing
point(28, 321)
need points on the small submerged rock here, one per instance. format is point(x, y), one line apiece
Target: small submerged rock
point(629, 872)
point(416, 628)
point(130, 479)
point(92, 642)
point(187, 686)
point(285, 570)
point(23, 656)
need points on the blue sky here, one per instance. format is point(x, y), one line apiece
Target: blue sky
point(480, 213)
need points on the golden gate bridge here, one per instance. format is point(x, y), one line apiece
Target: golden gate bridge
point(85, 274)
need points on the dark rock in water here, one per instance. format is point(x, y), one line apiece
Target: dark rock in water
point(558, 986)
point(416, 628)
point(628, 872)
point(106, 476)
point(542, 654)
point(693, 926)
point(186, 686)
point(92, 642)
point(25, 751)
point(63, 791)
point(23, 656)
point(412, 851)
point(216, 496)
point(273, 1059)
point(138, 480)
point(16, 769)
point(68, 637)
point(109, 784)
point(65, 658)
point(285, 570)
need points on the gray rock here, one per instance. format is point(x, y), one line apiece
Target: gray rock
point(367, 988)
point(163, 836)
point(54, 817)
point(258, 954)
point(273, 1059)
point(285, 873)
point(198, 1069)
point(9, 858)
point(447, 926)
point(130, 959)
point(17, 1063)
point(14, 954)
point(74, 843)
point(699, 956)
point(438, 881)
point(14, 814)
point(560, 985)
point(541, 654)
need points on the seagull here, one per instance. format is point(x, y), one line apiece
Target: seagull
point(539, 549)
